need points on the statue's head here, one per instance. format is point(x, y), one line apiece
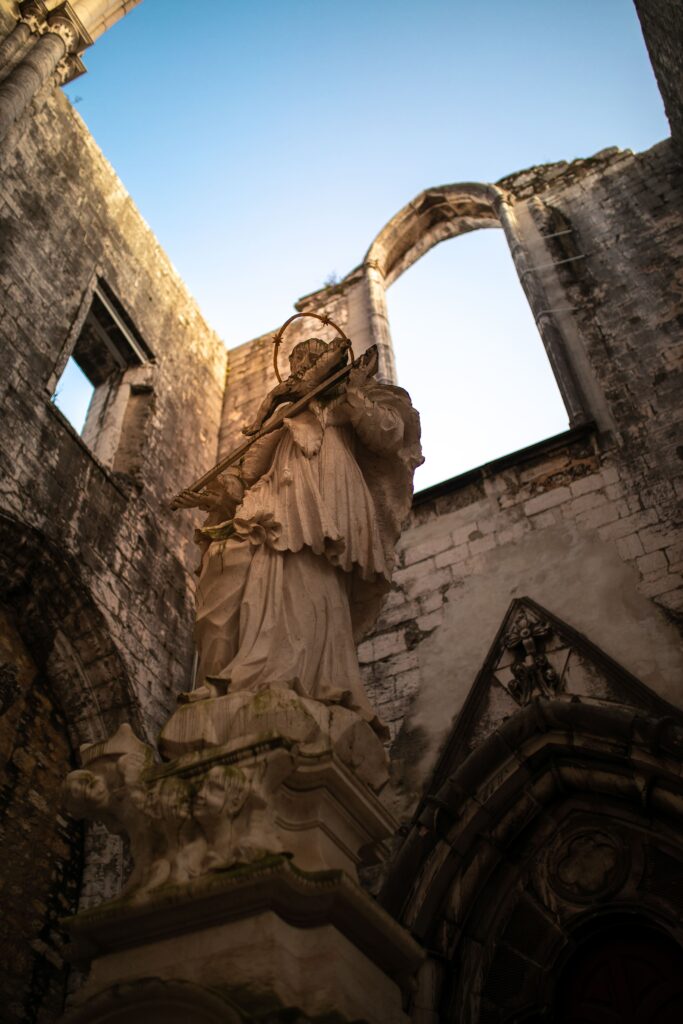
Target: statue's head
point(85, 793)
point(305, 354)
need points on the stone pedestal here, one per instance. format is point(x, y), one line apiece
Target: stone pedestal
point(244, 888)
point(267, 942)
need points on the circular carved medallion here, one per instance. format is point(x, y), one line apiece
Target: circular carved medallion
point(588, 866)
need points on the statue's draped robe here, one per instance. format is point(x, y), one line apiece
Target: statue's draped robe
point(284, 601)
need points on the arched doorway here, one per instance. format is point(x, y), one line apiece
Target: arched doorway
point(623, 972)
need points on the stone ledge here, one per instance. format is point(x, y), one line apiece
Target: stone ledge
point(301, 899)
point(489, 469)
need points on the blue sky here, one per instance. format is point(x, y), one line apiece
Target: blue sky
point(266, 144)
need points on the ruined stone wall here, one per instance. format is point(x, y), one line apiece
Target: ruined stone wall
point(662, 25)
point(65, 219)
point(587, 526)
point(96, 572)
point(251, 373)
point(42, 850)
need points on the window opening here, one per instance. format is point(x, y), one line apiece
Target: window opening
point(468, 351)
point(73, 394)
point(105, 389)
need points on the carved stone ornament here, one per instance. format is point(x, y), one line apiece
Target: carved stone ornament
point(590, 865)
point(295, 778)
point(69, 68)
point(533, 675)
point(33, 13)
point(64, 22)
point(66, 30)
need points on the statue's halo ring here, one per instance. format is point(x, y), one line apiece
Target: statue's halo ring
point(277, 337)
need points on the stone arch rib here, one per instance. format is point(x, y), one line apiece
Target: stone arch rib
point(437, 214)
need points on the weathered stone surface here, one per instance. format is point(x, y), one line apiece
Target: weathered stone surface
point(100, 574)
point(278, 928)
point(251, 775)
point(662, 25)
point(41, 850)
point(315, 728)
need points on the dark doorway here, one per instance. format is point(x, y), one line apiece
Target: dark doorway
point(628, 973)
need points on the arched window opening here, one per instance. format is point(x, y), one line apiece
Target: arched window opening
point(468, 351)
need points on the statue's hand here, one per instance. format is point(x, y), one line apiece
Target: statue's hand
point(191, 499)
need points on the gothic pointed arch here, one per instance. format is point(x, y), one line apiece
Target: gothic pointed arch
point(557, 806)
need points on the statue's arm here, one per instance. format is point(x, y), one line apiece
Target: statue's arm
point(258, 458)
point(374, 416)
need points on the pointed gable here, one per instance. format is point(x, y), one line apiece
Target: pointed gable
point(537, 656)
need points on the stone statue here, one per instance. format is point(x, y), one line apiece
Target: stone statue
point(299, 541)
point(277, 752)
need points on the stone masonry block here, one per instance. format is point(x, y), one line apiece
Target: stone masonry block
point(593, 499)
point(453, 556)
point(629, 524)
point(382, 646)
point(586, 484)
point(414, 572)
point(425, 550)
point(431, 580)
point(630, 547)
point(656, 560)
point(478, 547)
point(547, 500)
point(544, 519)
point(662, 585)
point(658, 537)
point(596, 517)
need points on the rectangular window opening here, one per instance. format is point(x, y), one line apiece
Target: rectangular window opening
point(99, 382)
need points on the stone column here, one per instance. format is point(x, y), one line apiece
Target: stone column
point(61, 37)
point(531, 259)
point(379, 321)
point(13, 43)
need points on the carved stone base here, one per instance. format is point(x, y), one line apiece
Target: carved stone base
point(215, 808)
point(313, 726)
point(243, 902)
point(266, 942)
